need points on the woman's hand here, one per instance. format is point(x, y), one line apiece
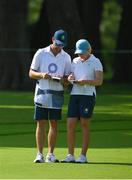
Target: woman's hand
point(71, 77)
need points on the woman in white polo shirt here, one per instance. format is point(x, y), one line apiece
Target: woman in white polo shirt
point(87, 72)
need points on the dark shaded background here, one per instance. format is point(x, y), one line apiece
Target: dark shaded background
point(19, 39)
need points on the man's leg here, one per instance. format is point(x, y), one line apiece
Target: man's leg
point(41, 135)
point(40, 139)
point(52, 135)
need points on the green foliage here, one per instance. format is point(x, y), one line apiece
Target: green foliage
point(109, 28)
point(34, 10)
point(110, 24)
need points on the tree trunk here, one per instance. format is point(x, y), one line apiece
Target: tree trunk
point(14, 62)
point(64, 15)
point(123, 60)
point(91, 13)
point(40, 31)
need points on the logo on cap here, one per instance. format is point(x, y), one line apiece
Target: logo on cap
point(62, 37)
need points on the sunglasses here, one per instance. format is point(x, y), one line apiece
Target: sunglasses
point(59, 45)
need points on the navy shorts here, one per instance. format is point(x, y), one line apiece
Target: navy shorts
point(47, 113)
point(81, 106)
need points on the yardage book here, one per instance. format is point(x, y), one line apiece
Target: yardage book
point(72, 81)
point(54, 78)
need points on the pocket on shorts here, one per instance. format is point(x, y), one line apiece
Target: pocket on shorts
point(57, 101)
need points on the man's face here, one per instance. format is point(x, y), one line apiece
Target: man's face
point(56, 44)
point(56, 47)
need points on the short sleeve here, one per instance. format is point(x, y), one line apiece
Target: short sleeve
point(98, 65)
point(68, 65)
point(36, 61)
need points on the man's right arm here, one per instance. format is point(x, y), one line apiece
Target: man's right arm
point(38, 75)
point(35, 75)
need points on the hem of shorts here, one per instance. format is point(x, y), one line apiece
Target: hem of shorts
point(82, 94)
point(47, 107)
point(47, 119)
point(79, 117)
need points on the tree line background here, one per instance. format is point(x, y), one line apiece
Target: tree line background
point(26, 25)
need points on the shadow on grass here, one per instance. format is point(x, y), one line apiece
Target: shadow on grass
point(102, 163)
point(107, 131)
point(111, 126)
point(100, 138)
point(111, 163)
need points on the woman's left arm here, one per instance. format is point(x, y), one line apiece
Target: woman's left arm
point(96, 82)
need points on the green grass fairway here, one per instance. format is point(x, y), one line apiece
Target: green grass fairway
point(109, 154)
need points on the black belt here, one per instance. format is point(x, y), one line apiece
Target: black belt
point(49, 91)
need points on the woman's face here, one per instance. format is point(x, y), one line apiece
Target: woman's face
point(84, 56)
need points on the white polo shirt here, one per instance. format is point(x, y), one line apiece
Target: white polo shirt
point(85, 71)
point(44, 61)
